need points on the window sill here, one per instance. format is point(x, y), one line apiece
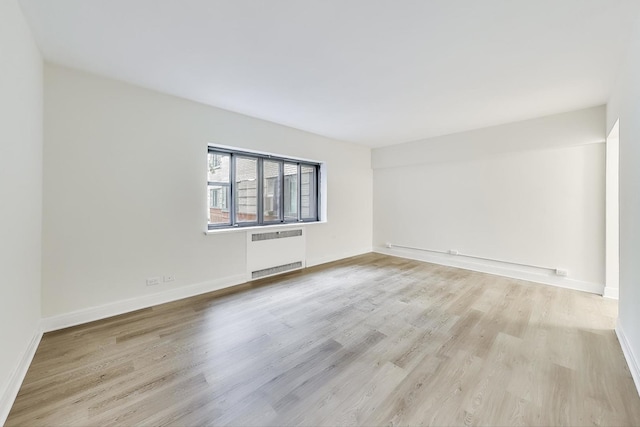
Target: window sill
point(262, 227)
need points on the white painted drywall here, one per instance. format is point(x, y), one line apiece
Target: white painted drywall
point(560, 130)
point(20, 192)
point(625, 105)
point(125, 191)
point(612, 216)
point(529, 192)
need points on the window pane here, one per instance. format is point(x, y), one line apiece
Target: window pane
point(290, 191)
point(246, 189)
point(219, 167)
point(219, 205)
point(307, 191)
point(271, 190)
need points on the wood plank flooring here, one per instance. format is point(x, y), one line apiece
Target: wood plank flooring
point(370, 340)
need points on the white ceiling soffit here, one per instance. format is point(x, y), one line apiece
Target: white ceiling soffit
point(368, 71)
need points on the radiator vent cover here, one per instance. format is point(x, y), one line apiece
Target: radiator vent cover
point(275, 270)
point(256, 237)
point(270, 252)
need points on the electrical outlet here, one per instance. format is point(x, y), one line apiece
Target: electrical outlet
point(388, 245)
point(561, 272)
point(152, 281)
point(169, 278)
point(453, 252)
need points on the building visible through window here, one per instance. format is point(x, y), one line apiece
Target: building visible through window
point(253, 189)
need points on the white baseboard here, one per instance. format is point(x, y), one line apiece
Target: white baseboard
point(323, 260)
point(632, 361)
point(125, 306)
point(494, 267)
point(609, 292)
point(15, 380)
point(91, 314)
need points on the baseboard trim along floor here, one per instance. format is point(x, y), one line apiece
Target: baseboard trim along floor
point(16, 379)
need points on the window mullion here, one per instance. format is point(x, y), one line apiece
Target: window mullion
point(316, 192)
point(313, 202)
point(232, 183)
point(299, 192)
point(260, 191)
point(281, 185)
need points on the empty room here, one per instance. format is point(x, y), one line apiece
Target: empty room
point(319, 212)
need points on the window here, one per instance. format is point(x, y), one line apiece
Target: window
point(219, 187)
point(215, 162)
point(307, 189)
point(254, 189)
point(271, 190)
point(291, 191)
point(246, 189)
point(218, 198)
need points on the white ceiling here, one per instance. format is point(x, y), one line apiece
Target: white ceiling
point(369, 71)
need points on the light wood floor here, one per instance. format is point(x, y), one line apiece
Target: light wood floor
point(371, 340)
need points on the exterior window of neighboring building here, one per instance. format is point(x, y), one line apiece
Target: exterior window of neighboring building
point(218, 198)
point(254, 189)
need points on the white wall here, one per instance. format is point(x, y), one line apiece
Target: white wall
point(625, 105)
point(612, 215)
point(125, 192)
point(20, 195)
point(530, 192)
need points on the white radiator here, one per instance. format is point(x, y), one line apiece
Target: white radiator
point(274, 252)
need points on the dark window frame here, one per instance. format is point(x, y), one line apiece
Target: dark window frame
point(260, 190)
